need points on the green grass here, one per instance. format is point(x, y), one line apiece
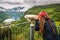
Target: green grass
point(57, 23)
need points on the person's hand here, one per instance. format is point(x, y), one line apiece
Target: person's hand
point(42, 19)
point(36, 18)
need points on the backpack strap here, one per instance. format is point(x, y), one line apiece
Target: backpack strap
point(52, 26)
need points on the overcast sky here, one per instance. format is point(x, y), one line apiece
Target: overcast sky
point(26, 3)
point(11, 0)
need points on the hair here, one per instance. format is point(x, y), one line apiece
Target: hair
point(43, 16)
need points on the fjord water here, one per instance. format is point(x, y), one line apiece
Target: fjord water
point(15, 15)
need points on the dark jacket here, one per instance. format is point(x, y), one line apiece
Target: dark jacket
point(49, 34)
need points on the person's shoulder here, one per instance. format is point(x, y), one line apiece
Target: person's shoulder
point(52, 20)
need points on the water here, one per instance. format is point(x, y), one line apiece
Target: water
point(15, 15)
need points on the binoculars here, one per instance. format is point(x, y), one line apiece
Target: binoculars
point(30, 17)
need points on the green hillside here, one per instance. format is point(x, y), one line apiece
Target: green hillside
point(53, 10)
point(3, 16)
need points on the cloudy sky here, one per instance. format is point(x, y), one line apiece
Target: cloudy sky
point(25, 3)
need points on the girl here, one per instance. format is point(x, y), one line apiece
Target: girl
point(47, 27)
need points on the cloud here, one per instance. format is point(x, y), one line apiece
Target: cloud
point(8, 4)
point(41, 2)
point(32, 2)
point(26, 3)
point(9, 1)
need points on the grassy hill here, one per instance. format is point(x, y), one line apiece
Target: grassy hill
point(53, 10)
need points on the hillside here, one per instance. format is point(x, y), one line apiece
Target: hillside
point(3, 16)
point(53, 10)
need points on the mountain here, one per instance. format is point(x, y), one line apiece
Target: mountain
point(15, 9)
point(13, 13)
point(2, 9)
point(53, 10)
